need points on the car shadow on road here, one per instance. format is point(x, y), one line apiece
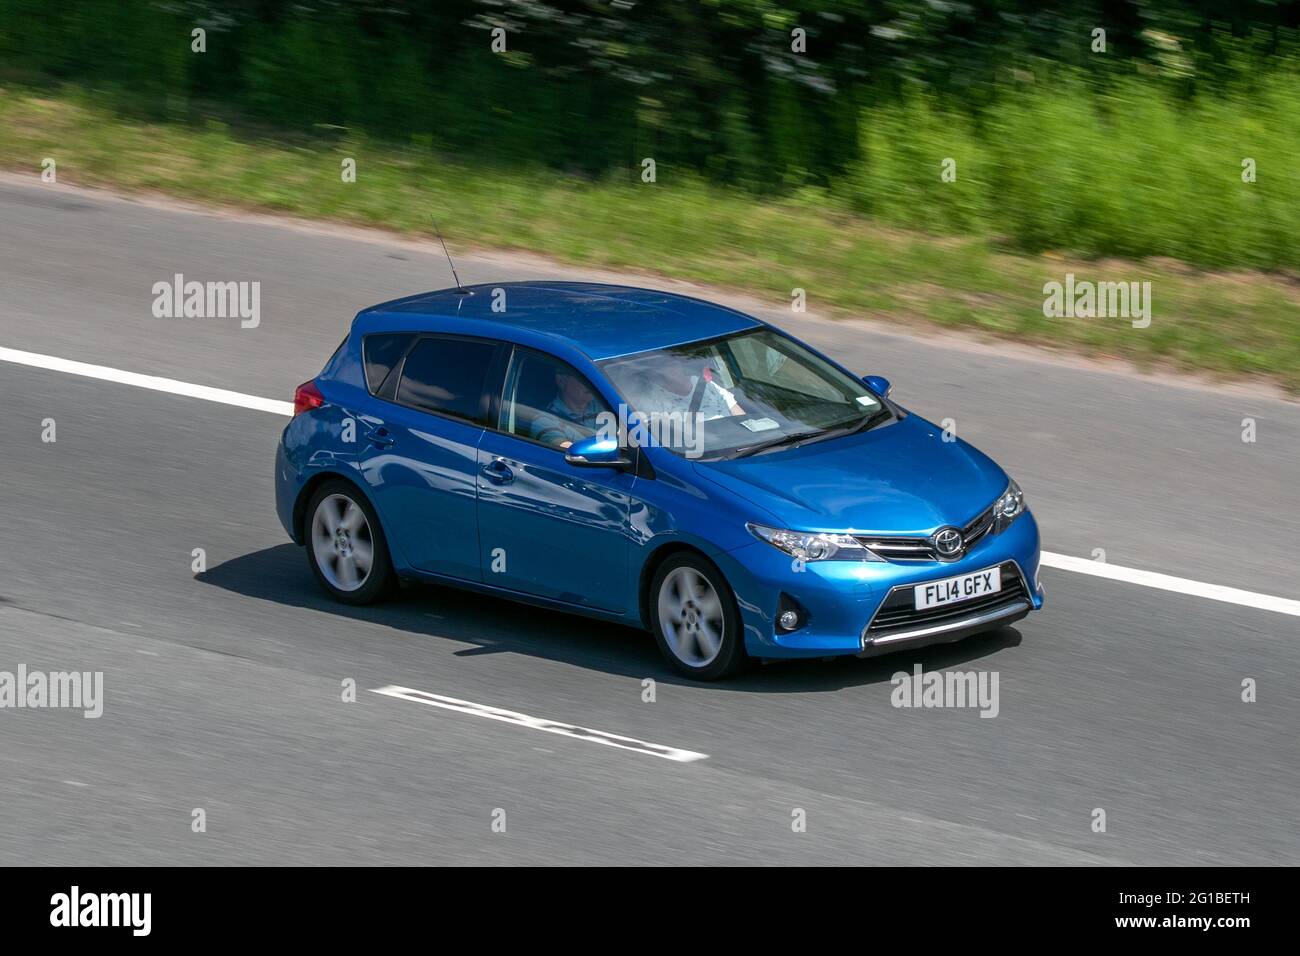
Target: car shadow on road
point(496, 626)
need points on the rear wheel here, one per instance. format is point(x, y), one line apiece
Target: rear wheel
point(695, 620)
point(345, 545)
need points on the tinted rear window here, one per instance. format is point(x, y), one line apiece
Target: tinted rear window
point(381, 352)
point(446, 376)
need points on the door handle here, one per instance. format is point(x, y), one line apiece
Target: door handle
point(380, 437)
point(498, 472)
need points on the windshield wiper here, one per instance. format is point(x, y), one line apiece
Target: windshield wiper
point(865, 425)
point(776, 443)
point(802, 438)
point(879, 415)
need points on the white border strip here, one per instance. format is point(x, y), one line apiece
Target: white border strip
point(104, 373)
point(1063, 562)
point(1167, 582)
point(539, 723)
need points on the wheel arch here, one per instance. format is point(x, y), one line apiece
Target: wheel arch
point(654, 561)
point(308, 489)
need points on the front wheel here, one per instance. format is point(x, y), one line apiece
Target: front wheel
point(345, 545)
point(695, 620)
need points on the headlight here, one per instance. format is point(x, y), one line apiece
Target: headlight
point(1007, 507)
point(810, 546)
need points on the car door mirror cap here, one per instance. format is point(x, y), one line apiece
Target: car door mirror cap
point(596, 451)
point(878, 384)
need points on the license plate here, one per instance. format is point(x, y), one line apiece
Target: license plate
point(961, 588)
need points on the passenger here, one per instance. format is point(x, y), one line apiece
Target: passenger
point(670, 389)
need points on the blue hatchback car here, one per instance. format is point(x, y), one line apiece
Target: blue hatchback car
point(650, 459)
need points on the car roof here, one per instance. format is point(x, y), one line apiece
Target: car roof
point(601, 321)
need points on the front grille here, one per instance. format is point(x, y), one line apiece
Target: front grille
point(900, 549)
point(978, 528)
point(894, 548)
point(898, 611)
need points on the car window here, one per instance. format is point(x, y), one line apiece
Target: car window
point(761, 361)
point(549, 401)
point(446, 375)
point(381, 352)
point(752, 390)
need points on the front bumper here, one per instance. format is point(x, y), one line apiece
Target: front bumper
point(841, 600)
point(897, 626)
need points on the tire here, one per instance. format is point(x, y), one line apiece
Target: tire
point(694, 618)
point(345, 545)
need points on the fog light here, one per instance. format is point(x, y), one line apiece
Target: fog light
point(788, 621)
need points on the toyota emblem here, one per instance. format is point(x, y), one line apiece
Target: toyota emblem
point(948, 542)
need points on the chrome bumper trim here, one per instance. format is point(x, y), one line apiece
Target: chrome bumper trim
point(1019, 608)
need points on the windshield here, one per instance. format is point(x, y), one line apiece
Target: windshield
point(741, 395)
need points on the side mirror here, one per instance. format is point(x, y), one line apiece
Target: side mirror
point(596, 451)
point(878, 384)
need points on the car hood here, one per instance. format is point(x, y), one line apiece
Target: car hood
point(899, 478)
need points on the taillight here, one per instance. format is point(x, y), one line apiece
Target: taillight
point(306, 397)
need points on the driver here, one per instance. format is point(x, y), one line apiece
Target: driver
point(570, 415)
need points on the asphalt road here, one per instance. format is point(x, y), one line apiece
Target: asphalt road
point(223, 690)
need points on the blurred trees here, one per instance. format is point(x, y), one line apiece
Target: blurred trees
point(589, 87)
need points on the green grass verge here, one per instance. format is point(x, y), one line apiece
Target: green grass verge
point(1232, 324)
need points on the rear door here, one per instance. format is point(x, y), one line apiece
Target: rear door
point(419, 448)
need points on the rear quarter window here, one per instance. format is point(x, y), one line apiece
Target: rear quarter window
point(381, 352)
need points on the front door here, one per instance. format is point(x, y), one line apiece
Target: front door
point(547, 527)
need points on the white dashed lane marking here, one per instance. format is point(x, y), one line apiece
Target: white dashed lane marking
point(540, 723)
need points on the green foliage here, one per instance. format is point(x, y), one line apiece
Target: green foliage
point(1133, 152)
point(1235, 323)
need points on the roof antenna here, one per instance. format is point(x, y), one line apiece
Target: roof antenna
point(460, 289)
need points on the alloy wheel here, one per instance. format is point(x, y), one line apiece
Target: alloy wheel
point(690, 614)
point(342, 542)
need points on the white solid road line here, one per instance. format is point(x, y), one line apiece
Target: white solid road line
point(107, 374)
point(1167, 582)
point(540, 723)
point(1063, 562)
